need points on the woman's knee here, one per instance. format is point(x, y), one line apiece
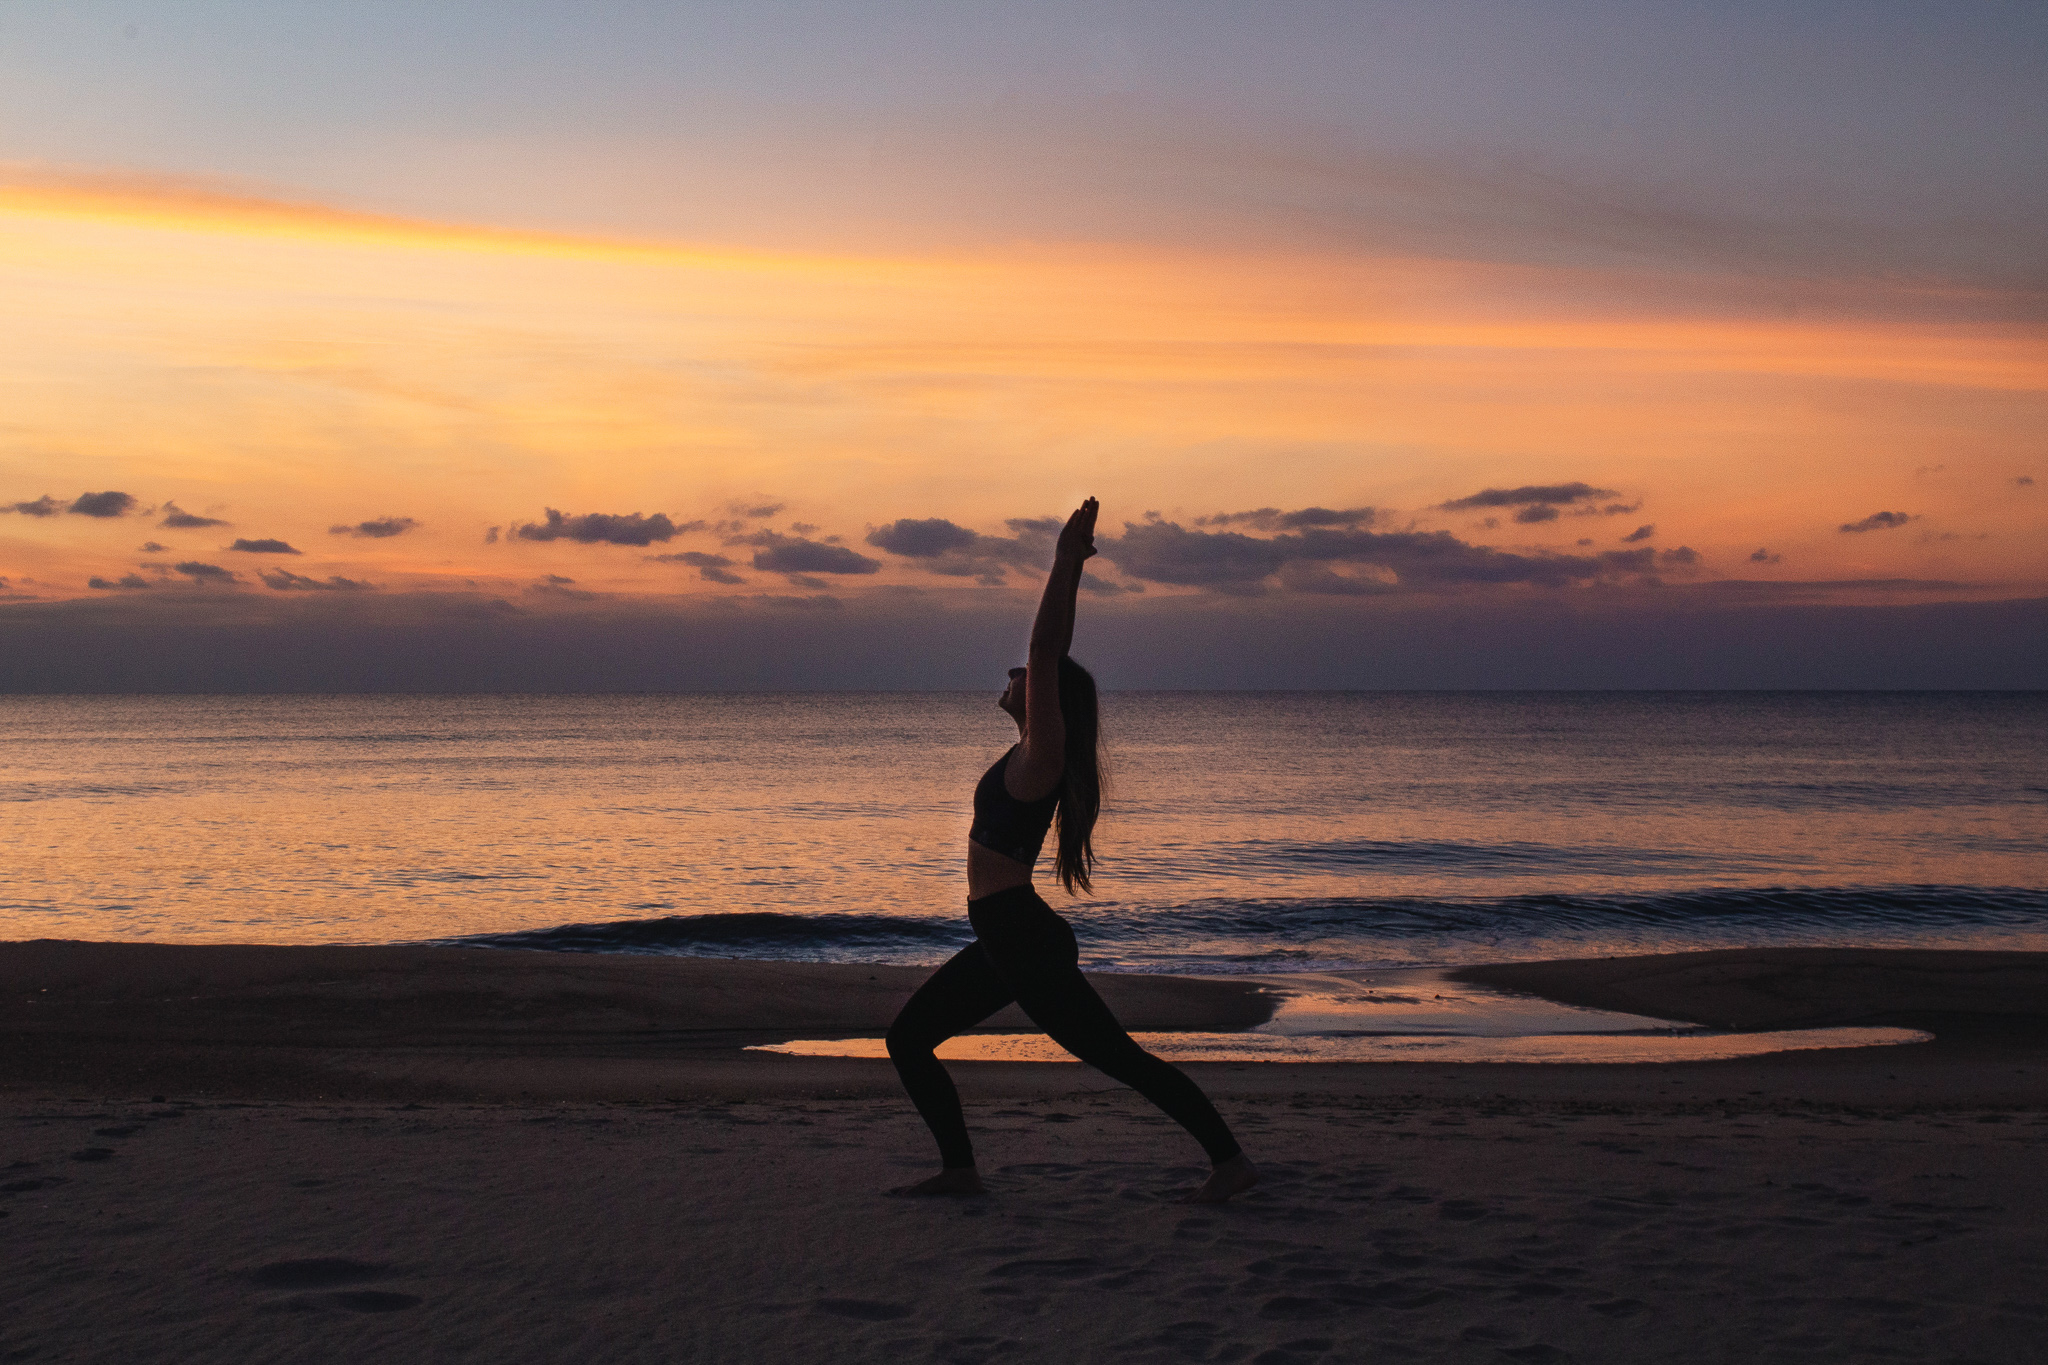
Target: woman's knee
point(906, 1041)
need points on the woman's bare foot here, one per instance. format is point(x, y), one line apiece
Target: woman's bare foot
point(961, 1183)
point(1234, 1176)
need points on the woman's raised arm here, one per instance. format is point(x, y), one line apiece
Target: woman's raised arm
point(1044, 748)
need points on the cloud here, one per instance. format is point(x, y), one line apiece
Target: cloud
point(1763, 556)
point(927, 538)
point(126, 583)
point(554, 585)
point(2019, 481)
point(45, 506)
point(283, 580)
point(380, 528)
point(1877, 521)
point(1374, 562)
point(1273, 519)
point(491, 535)
point(798, 555)
point(150, 547)
point(941, 547)
point(1684, 557)
point(758, 511)
point(206, 573)
point(604, 528)
point(1104, 587)
point(1535, 512)
point(108, 504)
point(712, 568)
point(1640, 533)
point(1533, 494)
point(264, 547)
point(179, 520)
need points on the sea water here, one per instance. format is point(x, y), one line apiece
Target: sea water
point(1244, 832)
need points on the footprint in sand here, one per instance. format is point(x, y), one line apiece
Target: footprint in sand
point(329, 1272)
point(866, 1310)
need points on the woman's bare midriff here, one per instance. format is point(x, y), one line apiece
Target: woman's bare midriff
point(989, 872)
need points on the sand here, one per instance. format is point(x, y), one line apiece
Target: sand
point(362, 1154)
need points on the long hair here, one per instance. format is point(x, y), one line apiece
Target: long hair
point(1081, 786)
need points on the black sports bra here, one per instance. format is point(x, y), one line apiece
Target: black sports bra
point(1003, 824)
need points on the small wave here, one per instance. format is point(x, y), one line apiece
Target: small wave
point(1307, 934)
point(1775, 907)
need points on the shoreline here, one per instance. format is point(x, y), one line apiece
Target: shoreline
point(280, 1023)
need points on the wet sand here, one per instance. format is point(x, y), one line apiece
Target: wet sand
point(345, 1154)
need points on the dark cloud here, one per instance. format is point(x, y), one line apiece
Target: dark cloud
point(1533, 494)
point(206, 573)
point(109, 504)
point(712, 568)
point(264, 547)
point(1763, 556)
point(1640, 533)
point(1273, 519)
point(2023, 480)
point(491, 535)
point(1104, 587)
point(1320, 580)
point(1877, 521)
point(45, 506)
point(921, 539)
point(804, 528)
point(283, 580)
point(758, 511)
point(1374, 562)
point(178, 519)
point(943, 548)
point(554, 585)
point(809, 581)
point(125, 583)
point(379, 528)
point(605, 528)
point(150, 547)
point(797, 555)
point(1536, 512)
point(1683, 556)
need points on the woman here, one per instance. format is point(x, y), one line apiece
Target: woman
point(1023, 951)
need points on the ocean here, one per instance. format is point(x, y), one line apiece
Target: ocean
point(1245, 832)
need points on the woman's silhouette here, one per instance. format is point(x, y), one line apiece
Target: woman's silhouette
point(1023, 951)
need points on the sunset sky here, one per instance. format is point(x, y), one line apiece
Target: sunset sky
point(758, 313)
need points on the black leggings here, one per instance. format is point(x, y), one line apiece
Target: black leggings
point(1027, 953)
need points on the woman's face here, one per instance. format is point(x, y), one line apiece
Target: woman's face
point(1012, 699)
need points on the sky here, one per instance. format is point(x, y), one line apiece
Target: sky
point(652, 345)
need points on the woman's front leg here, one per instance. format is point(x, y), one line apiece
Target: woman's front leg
point(962, 993)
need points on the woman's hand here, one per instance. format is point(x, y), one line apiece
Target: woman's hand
point(1077, 537)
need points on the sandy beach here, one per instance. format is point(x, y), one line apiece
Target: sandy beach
point(370, 1153)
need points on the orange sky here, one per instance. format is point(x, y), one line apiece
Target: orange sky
point(286, 367)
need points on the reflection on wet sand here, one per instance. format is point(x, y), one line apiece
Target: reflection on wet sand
point(1408, 1015)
